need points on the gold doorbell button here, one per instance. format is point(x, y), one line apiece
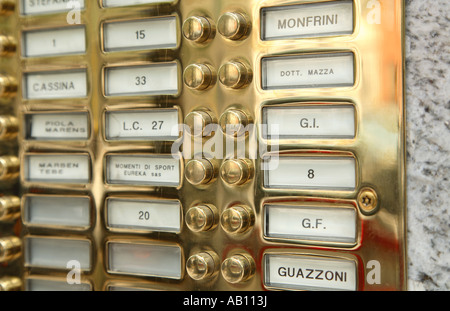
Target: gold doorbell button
point(234, 122)
point(198, 29)
point(9, 167)
point(10, 248)
point(203, 265)
point(202, 218)
point(236, 171)
point(235, 75)
point(10, 284)
point(237, 219)
point(198, 122)
point(200, 172)
point(238, 268)
point(7, 7)
point(9, 127)
point(9, 207)
point(233, 26)
point(199, 77)
point(8, 86)
point(7, 45)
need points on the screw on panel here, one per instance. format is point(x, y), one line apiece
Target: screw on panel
point(367, 200)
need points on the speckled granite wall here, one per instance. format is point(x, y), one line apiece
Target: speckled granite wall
point(428, 140)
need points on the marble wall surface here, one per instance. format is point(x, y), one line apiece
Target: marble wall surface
point(428, 143)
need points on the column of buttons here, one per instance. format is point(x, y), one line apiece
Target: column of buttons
point(10, 244)
point(232, 75)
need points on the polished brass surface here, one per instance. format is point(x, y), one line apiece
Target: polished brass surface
point(199, 29)
point(198, 121)
point(8, 86)
point(7, 7)
point(233, 25)
point(200, 172)
point(9, 127)
point(237, 219)
point(202, 218)
point(236, 171)
point(9, 167)
point(236, 52)
point(235, 75)
point(199, 76)
point(7, 45)
point(234, 122)
point(202, 265)
point(9, 284)
point(238, 268)
point(9, 208)
point(10, 248)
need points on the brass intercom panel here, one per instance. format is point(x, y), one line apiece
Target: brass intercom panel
point(204, 145)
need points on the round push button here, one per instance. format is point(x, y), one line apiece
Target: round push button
point(7, 45)
point(199, 76)
point(201, 218)
point(8, 86)
point(237, 219)
point(199, 172)
point(233, 26)
point(9, 127)
point(235, 75)
point(198, 122)
point(9, 207)
point(9, 167)
point(238, 268)
point(7, 6)
point(198, 29)
point(234, 122)
point(203, 265)
point(9, 284)
point(236, 171)
point(10, 248)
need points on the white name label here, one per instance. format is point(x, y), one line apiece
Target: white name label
point(116, 3)
point(310, 173)
point(310, 122)
point(57, 168)
point(142, 125)
point(311, 223)
point(57, 211)
point(309, 273)
point(31, 7)
point(51, 126)
point(143, 170)
point(155, 33)
point(144, 259)
point(41, 285)
point(54, 42)
point(161, 216)
point(311, 71)
point(56, 253)
point(55, 85)
point(160, 79)
point(307, 20)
